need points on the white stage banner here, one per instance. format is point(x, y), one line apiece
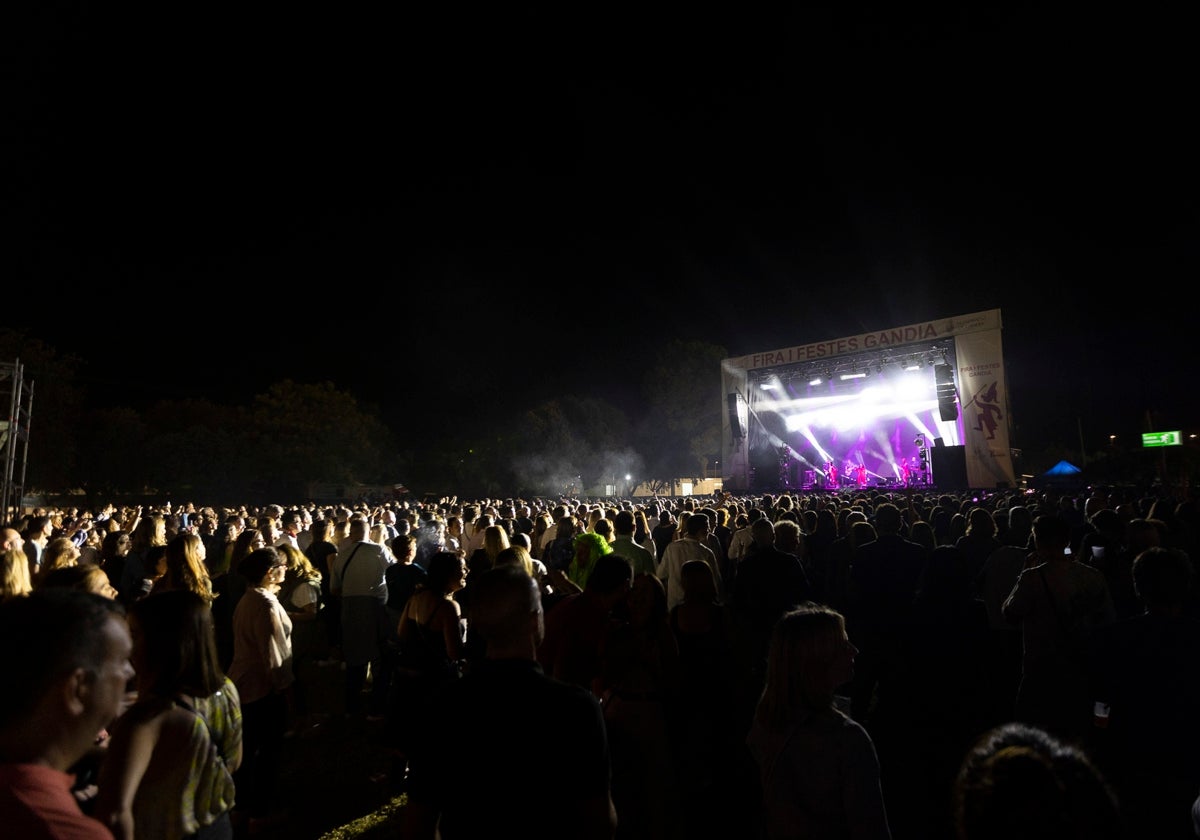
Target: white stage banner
point(983, 401)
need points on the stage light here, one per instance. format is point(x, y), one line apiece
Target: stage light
point(816, 381)
point(846, 376)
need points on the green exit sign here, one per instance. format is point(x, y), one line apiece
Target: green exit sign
point(1162, 439)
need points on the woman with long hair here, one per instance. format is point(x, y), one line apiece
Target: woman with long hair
point(113, 549)
point(149, 532)
point(300, 595)
point(818, 768)
point(170, 763)
point(14, 574)
point(495, 540)
point(58, 553)
point(86, 577)
point(230, 587)
point(186, 568)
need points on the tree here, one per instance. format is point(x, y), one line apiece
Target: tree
point(303, 433)
point(682, 429)
point(568, 444)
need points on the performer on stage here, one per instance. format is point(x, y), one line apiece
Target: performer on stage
point(831, 475)
point(860, 475)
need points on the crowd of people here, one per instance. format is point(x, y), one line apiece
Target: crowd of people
point(871, 663)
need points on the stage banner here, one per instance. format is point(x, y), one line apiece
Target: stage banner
point(983, 400)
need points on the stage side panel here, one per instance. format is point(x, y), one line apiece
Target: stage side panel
point(983, 398)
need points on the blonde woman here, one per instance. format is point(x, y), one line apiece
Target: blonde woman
point(818, 767)
point(495, 540)
point(59, 553)
point(300, 595)
point(89, 578)
point(14, 574)
point(186, 568)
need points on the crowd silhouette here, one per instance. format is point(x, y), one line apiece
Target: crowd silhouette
point(871, 662)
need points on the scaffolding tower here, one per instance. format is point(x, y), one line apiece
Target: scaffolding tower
point(14, 436)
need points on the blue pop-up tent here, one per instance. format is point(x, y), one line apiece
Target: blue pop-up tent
point(1062, 469)
point(1064, 474)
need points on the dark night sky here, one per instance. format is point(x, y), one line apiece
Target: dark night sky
point(482, 208)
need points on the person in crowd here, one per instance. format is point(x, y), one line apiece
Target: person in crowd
point(663, 533)
point(884, 575)
point(37, 535)
point(186, 568)
point(690, 547)
point(589, 547)
point(431, 646)
point(625, 544)
point(1059, 603)
point(819, 773)
point(541, 524)
point(944, 653)
point(218, 545)
point(769, 583)
point(495, 539)
point(262, 671)
point(229, 589)
point(72, 664)
point(518, 555)
point(1117, 568)
point(87, 578)
point(1149, 683)
point(835, 588)
point(321, 552)
point(300, 595)
point(707, 741)
point(113, 550)
point(743, 537)
point(638, 684)
point(979, 540)
point(453, 790)
point(169, 767)
point(641, 532)
point(14, 565)
point(290, 526)
point(1018, 780)
point(149, 532)
point(559, 553)
point(578, 623)
point(89, 548)
point(379, 534)
point(994, 584)
point(360, 581)
point(58, 553)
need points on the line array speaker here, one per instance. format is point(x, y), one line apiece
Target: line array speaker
point(735, 422)
point(947, 395)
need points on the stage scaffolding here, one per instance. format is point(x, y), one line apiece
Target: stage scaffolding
point(14, 436)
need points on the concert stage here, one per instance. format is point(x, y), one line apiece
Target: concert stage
point(913, 406)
